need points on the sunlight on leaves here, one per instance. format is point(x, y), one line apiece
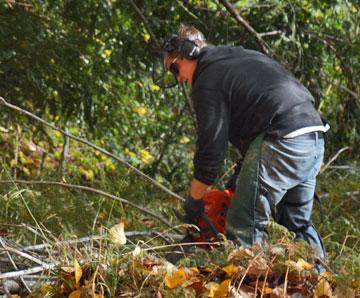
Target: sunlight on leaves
point(155, 88)
point(147, 37)
point(184, 140)
point(141, 110)
point(145, 156)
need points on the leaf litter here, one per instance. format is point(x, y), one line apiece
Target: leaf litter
point(284, 268)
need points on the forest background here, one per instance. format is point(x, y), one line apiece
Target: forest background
point(85, 66)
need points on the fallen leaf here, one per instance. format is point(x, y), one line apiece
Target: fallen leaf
point(175, 279)
point(258, 266)
point(75, 294)
point(78, 271)
point(117, 234)
point(136, 251)
point(230, 269)
point(299, 266)
point(240, 254)
point(68, 269)
point(323, 288)
point(212, 288)
point(223, 289)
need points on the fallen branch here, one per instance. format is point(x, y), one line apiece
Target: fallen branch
point(347, 194)
point(128, 234)
point(36, 269)
point(24, 255)
point(13, 264)
point(86, 142)
point(90, 189)
point(333, 158)
point(263, 45)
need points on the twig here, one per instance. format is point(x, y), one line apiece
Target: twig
point(28, 271)
point(40, 247)
point(24, 255)
point(90, 189)
point(334, 158)
point(14, 264)
point(146, 24)
point(347, 194)
point(86, 142)
point(189, 104)
point(263, 45)
point(270, 33)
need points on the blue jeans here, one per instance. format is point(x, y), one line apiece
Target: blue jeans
point(286, 186)
point(285, 172)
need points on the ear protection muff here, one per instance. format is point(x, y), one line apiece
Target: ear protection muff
point(186, 47)
point(189, 49)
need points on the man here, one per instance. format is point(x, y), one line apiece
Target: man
point(244, 97)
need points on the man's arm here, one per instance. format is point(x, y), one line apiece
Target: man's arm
point(198, 189)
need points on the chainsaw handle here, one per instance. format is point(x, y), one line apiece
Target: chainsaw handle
point(209, 223)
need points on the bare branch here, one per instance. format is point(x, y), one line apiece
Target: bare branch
point(90, 189)
point(146, 24)
point(28, 271)
point(333, 158)
point(86, 142)
point(263, 45)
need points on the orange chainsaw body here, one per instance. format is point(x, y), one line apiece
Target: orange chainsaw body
point(216, 204)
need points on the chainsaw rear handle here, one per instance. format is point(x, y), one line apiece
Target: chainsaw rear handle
point(204, 217)
point(209, 223)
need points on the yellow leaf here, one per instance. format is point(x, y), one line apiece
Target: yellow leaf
point(323, 288)
point(26, 171)
point(13, 163)
point(230, 269)
point(117, 234)
point(223, 289)
point(147, 37)
point(176, 278)
point(78, 271)
point(107, 53)
point(15, 296)
point(141, 110)
point(67, 269)
point(184, 140)
point(57, 133)
point(75, 294)
point(212, 288)
point(155, 87)
point(303, 265)
point(268, 290)
point(145, 156)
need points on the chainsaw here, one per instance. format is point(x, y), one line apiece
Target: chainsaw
point(210, 224)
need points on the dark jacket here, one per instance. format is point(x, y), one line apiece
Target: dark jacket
point(238, 94)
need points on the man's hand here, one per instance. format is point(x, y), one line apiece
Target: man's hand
point(193, 209)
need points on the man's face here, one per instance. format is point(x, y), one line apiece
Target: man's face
point(185, 68)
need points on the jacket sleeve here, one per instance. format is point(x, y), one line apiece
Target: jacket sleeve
point(212, 113)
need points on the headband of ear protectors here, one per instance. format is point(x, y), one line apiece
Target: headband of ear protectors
point(166, 76)
point(186, 47)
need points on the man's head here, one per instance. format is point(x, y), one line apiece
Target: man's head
point(184, 49)
point(181, 52)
